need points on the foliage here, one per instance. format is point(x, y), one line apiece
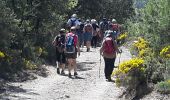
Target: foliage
point(122, 37)
point(165, 52)
point(125, 68)
point(163, 87)
point(152, 24)
point(130, 74)
point(118, 9)
point(27, 30)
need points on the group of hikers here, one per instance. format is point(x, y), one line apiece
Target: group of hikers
point(90, 34)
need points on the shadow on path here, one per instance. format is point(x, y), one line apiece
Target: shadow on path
point(85, 66)
point(6, 90)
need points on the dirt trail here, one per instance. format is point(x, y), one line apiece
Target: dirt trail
point(88, 85)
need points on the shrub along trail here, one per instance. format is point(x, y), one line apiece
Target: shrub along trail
point(88, 85)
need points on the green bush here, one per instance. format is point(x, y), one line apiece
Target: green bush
point(163, 87)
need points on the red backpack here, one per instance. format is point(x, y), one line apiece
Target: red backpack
point(108, 45)
point(115, 27)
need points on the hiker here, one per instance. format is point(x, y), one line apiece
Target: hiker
point(115, 27)
point(108, 51)
point(72, 47)
point(88, 34)
point(59, 43)
point(73, 21)
point(114, 34)
point(103, 27)
point(94, 33)
point(80, 33)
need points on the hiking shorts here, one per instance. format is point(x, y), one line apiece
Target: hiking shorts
point(71, 55)
point(87, 36)
point(60, 57)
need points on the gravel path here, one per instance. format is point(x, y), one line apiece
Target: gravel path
point(88, 85)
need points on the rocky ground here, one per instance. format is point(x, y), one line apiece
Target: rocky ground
point(89, 85)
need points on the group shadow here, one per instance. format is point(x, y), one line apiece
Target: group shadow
point(8, 91)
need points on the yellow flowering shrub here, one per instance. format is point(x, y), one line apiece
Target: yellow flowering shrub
point(38, 50)
point(122, 36)
point(144, 52)
point(29, 65)
point(2, 55)
point(130, 64)
point(141, 44)
point(125, 69)
point(165, 52)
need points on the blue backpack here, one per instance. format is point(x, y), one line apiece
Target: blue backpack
point(70, 48)
point(73, 23)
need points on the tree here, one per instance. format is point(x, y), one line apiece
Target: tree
point(118, 9)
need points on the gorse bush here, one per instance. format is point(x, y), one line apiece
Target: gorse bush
point(122, 38)
point(130, 74)
point(141, 44)
point(165, 52)
point(127, 66)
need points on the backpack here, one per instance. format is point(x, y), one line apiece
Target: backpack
point(104, 26)
point(73, 23)
point(108, 45)
point(88, 28)
point(60, 43)
point(70, 43)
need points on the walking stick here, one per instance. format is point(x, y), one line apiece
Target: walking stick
point(119, 58)
point(100, 66)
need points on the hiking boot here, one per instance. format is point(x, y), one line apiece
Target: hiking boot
point(88, 49)
point(75, 74)
point(62, 72)
point(69, 75)
point(110, 80)
point(58, 70)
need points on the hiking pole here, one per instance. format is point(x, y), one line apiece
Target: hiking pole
point(120, 57)
point(100, 65)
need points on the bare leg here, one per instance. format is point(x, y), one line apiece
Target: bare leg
point(70, 66)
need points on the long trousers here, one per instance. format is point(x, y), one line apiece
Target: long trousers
point(94, 41)
point(109, 66)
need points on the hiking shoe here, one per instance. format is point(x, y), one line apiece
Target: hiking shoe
point(62, 72)
point(75, 74)
point(69, 75)
point(110, 80)
point(88, 49)
point(58, 70)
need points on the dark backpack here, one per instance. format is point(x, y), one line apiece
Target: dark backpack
point(73, 23)
point(70, 43)
point(109, 46)
point(60, 43)
point(104, 26)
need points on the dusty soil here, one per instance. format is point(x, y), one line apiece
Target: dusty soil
point(89, 85)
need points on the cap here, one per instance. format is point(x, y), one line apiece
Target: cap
point(62, 30)
point(109, 33)
point(73, 28)
point(113, 20)
point(74, 16)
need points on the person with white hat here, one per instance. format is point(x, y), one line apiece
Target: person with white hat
point(73, 21)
